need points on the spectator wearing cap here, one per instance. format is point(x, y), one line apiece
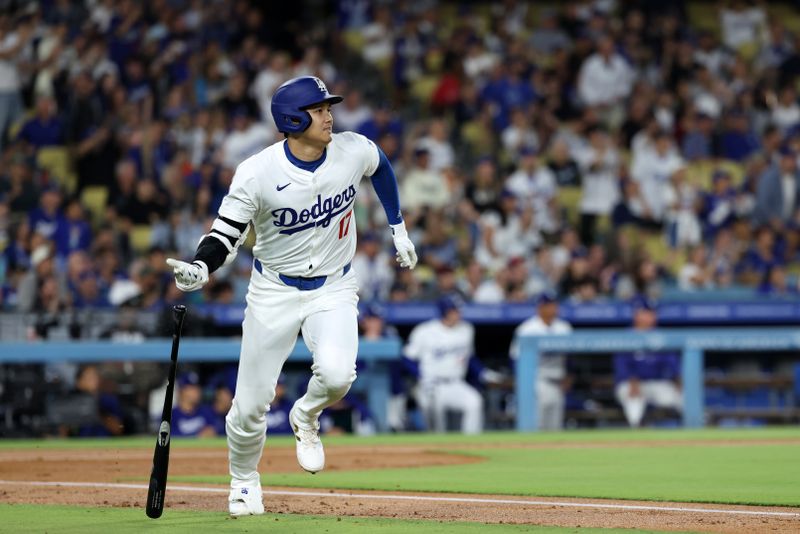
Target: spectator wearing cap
point(443, 350)
point(552, 380)
point(646, 378)
point(373, 267)
point(777, 192)
point(190, 416)
point(423, 187)
point(599, 163)
point(534, 185)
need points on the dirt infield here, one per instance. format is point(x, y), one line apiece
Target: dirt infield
point(108, 467)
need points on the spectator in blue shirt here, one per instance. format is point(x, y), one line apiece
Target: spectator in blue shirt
point(48, 217)
point(763, 255)
point(698, 143)
point(190, 417)
point(73, 231)
point(45, 128)
point(646, 378)
point(737, 142)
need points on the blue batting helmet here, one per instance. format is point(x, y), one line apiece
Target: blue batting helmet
point(449, 302)
point(290, 101)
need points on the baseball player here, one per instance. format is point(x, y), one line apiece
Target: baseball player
point(646, 378)
point(552, 377)
point(443, 348)
point(298, 196)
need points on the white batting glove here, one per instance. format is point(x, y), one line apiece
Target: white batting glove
point(189, 276)
point(406, 254)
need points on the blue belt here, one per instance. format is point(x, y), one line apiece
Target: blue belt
point(300, 282)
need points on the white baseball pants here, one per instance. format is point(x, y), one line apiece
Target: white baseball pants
point(550, 404)
point(436, 398)
point(275, 314)
point(660, 393)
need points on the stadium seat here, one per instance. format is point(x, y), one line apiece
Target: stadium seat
point(354, 40)
point(422, 89)
point(569, 198)
point(56, 161)
point(94, 199)
point(140, 237)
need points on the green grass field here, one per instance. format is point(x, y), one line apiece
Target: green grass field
point(69, 519)
point(752, 466)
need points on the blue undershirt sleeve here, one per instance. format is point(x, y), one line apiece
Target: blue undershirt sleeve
point(385, 183)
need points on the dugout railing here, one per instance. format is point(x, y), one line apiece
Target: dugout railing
point(376, 354)
point(691, 343)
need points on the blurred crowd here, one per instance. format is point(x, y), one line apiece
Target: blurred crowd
point(601, 149)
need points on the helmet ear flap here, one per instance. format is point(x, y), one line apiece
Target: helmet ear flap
point(295, 122)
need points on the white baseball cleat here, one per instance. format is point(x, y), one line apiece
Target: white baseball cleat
point(310, 454)
point(245, 501)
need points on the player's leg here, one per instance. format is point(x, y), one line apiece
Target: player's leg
point(550, 401)
point(459, 395)
point(267, 340)
point(632, 406)
point(663, 393)
point(425, 395)
point(332, 337)
point(330, 330)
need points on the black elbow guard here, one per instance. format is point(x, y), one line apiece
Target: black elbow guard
point(212, 252)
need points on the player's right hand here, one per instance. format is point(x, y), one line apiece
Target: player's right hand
point(189, 276)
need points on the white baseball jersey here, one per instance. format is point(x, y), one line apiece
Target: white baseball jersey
point(551, 366)
point(303, 220)
point(443, 352)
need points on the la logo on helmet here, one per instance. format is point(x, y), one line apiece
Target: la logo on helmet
point(321, 85)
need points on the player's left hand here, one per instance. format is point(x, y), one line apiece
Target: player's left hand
point(406, 253)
